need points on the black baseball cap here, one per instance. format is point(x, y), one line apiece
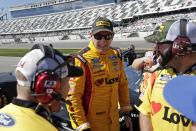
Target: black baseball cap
point(102, 24)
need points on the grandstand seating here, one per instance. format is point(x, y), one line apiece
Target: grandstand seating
point(83, 18)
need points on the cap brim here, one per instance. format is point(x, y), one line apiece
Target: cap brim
point(150, 38)
point(153, 39)
point(99, 30)
point(74, 71)
point(180, 93)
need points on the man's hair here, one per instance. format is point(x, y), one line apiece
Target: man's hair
point(22, 91)
point(20, 76)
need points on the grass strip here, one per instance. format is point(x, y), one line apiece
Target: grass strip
point(22, 52)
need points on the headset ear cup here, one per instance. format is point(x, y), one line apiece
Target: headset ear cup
point(179, 45)
point(175, 47)
point(46, 85)
point(182, 41)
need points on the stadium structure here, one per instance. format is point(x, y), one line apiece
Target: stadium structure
point(72, 19)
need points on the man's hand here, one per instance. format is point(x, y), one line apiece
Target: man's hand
point(128, 122)
point(147, 63)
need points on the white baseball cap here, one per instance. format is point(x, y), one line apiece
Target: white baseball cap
point(174, 31)
point(28, 66)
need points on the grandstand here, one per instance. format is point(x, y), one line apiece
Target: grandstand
point(52, 6)
point(131, 18)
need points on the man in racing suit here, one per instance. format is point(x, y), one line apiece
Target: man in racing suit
point(176, 42)
point(94, 96)
point(42, 82)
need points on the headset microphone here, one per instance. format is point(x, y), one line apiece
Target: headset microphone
point(58, 97)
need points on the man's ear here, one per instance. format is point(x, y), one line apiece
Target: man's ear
point(91, 34)
point(113, 37)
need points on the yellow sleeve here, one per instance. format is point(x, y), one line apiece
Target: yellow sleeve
point(75, 109)
point(123, 90)
point(144, 102)
point(146, 76)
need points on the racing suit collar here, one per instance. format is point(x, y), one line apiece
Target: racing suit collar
point(23, 103)
point(32, 105)
point(92, 47)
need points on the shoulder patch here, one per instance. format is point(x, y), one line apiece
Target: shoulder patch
point(79, 55)
point(165, 77)
point(6, 120)
point(84, 50)
point(118, 51)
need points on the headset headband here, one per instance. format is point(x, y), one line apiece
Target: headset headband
point(48, 51)
point(183, 28)
point(183, 23)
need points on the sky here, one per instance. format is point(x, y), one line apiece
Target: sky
point(6, 4)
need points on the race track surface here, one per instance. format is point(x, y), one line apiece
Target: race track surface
point(8, 64)
point(139, 43)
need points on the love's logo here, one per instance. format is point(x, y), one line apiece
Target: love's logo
point(98, 82)
point(156, 107)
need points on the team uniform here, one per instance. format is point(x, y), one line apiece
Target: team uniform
point(95, 95)
point(152, 103)
point(145, 78)
point(15, 117)
point(148, 78)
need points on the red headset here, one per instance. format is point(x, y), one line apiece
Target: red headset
point(182, 42)
point(46, 84)
point(180, 45)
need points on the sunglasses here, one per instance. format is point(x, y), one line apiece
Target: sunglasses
point(106, 37)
